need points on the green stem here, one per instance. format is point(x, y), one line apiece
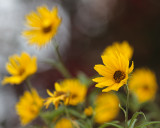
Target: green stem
point(66, 111)
point(29, 85)
point(62, 68)
point(68, 114)
point(127, 105)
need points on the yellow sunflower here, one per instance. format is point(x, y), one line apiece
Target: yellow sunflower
point(20, 67)
point(114, 71)
point(123, 47)
point(143, 84)
point(64, 123)
point(106, 107)
point(88, 111)
point(71, 91)
point(29, 106)
point(55, 97)
point(43, 25)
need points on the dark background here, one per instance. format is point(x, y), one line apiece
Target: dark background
point(88, 26)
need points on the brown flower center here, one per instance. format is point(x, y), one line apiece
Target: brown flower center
point(118, 76)
point(145, 87)
point(59, 93)
point(21, 71)
point(47, 29)
point(73, 96)
point(46, 26)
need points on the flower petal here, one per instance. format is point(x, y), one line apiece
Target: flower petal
point(114, 87)
point(131, 68)
point(102, 82)
point(57, 87)
point(102, 70)
point(49, 93)
point(12, 80)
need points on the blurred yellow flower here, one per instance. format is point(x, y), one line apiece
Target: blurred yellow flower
point(88, 111)
point(20, 67)
point(55, 97)
point(71, 91)
point(64, 123)
point(114, 71)
point(43, 26)
point(143, 84)
point(106, 107)
point(29, 106)
point(123, 47)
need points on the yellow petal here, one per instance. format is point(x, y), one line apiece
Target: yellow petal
point(43, 11)
point(114, 87)
point(102, 70)
point(12, 80)
point(57, 87)
point(33, 20)
point(131, 68)
point(100, 79)
point(14, 62)
point(12, 70)
point(48, 101)
point(102, 82)
point(110, 61)
point(49, 93)
point(32, 66)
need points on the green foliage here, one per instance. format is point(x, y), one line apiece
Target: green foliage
point(143, 125)
point(134, 119)
point(113, 123)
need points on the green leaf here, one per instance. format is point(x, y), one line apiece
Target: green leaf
point(33, 126)
point(50, 115)
point(114, 123)
point(134, 103)
point(81, 123)
point(122, 109)
point(132, 125)
point(88, 123)
point(122, 98)
point(84, 79)
point(134, 118)
point(76, 114)
point(148, 123)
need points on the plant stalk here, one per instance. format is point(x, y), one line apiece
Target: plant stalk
point(127, 105)
point(29, 85)
point(62, 68)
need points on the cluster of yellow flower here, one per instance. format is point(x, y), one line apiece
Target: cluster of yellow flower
point(116, 69)
point(115, 73)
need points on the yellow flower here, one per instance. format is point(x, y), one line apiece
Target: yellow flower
point(114, 71)
point(71, 91)
point(88, 111)
point(55, 97)
point(123, 47)
point(43, 25)
point(64, 123)
point(143, 84)
point(29, 106)
point(20, 67)
point(107, 107)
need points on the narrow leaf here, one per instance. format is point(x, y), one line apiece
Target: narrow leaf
point(122, 109)
point(110, 124)
point(132, 125)
point(148, 123)
point(134, 117)
point(76, 114)
point(50, 115)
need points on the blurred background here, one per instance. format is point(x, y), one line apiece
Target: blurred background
point(88, 26)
